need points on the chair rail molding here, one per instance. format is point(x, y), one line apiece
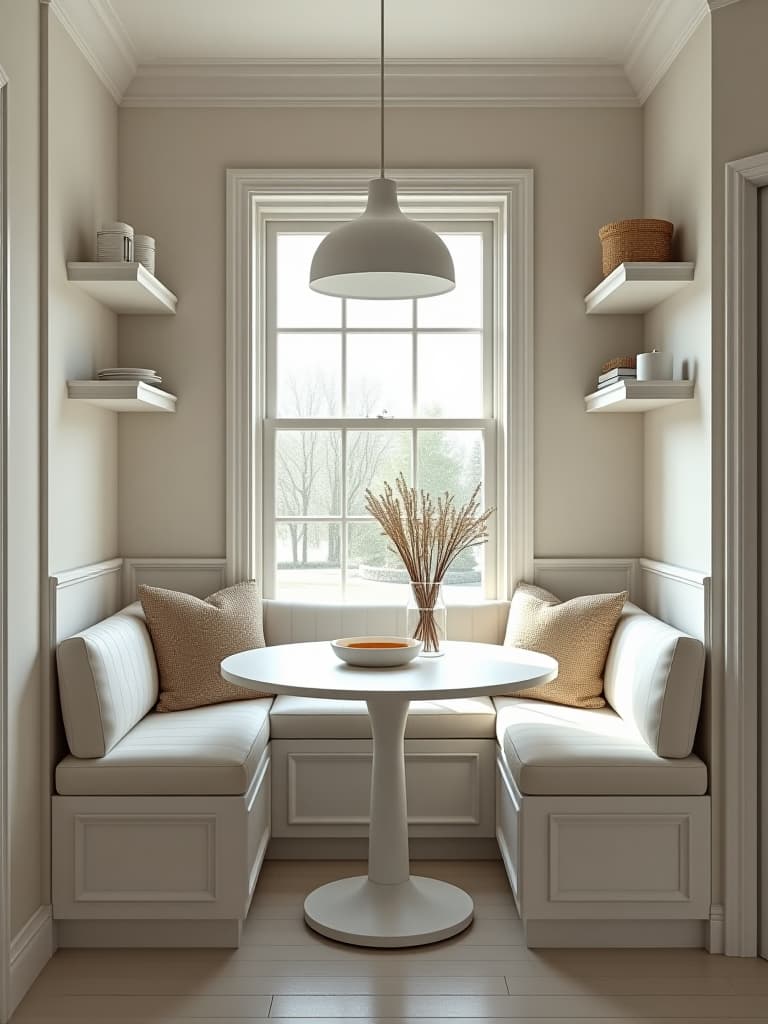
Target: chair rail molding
point(256, 196)
point(739, 660)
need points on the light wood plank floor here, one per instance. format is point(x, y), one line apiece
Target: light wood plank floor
point(285, 971)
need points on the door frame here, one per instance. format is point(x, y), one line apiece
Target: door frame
point(5, 292)
point(740, 655)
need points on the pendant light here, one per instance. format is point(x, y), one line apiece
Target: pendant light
point(382, 254)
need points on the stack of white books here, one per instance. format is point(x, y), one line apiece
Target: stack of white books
point(619, 373)
point(115, 373)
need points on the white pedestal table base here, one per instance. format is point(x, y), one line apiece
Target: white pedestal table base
point(366, 913)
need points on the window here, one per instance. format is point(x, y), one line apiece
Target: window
point(326, 398)
point(358, 392)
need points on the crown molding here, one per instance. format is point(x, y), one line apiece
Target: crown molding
point(98, 33)
point(102, 39)
point(660, 38)
point(355, 83)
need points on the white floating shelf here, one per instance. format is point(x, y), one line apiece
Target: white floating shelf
point(123, 287)
point(638, 287)
point(122, 396)
point(639, 395)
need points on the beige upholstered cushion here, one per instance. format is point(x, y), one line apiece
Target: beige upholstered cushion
point(107, 681)
point(561, 751)
point(313, 718)
point(653, 679)
point(192, 637)
point(202, 752)
point(577, 633)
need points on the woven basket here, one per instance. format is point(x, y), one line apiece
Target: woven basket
point(635, 241)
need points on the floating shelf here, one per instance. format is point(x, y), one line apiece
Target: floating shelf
point(639, 395)
point(123, 287)
point(638, 287)
point(122, 396)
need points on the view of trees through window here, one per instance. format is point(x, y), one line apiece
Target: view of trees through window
point(363, 391)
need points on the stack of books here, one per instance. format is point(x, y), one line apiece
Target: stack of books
point(605, 380)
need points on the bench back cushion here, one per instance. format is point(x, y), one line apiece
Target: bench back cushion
point(653, 679)
point(290, 622)
point(107, 681)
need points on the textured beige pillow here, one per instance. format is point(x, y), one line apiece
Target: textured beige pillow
point(578, 633)
point(191, 637)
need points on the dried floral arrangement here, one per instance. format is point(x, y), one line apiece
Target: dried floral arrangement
point(428, 534)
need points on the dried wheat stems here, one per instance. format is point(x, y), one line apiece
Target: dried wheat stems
point(428, 534)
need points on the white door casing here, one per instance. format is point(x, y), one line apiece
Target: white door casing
point(739, 658)
point(5, 906)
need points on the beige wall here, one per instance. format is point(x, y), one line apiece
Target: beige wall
point(82, 335)
point(677, 187)
point(19, 59)
point(588, 170)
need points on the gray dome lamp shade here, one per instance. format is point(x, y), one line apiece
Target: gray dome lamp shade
point(382, 254)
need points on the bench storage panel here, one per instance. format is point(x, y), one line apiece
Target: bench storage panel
point(322, 788)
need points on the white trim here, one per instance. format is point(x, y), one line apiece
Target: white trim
point(715, 940)
point(5, 292)
point(547, 571)
point(674, 572)
point(100, 37)
point(250, 194)
point(30, 951)
point(740, 489)
point(661, 36)
point(355, 83)
point(155, 570)
point(103, 40)
point(72, 577)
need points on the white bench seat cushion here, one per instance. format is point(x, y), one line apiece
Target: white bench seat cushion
point(313, 718)
point(210, 751)
point(553, 750)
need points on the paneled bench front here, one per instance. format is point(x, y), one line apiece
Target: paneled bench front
point(161, 821)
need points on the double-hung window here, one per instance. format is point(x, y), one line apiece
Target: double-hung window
point(358, 392)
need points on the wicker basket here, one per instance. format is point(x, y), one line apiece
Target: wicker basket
point(635, 241)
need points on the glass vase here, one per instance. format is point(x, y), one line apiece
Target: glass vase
point(426, 616)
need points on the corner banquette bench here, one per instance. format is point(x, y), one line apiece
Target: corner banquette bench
point(161, 820)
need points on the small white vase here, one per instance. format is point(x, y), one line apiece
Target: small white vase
point(426, 617)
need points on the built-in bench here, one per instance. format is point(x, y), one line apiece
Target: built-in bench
point(161, 821)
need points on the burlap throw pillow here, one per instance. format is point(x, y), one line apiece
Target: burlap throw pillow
point(578, 633)
point(191, 637)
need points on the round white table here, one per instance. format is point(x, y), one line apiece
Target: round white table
point(389, 907)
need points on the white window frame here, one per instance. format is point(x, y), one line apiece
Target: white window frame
point(254, 199)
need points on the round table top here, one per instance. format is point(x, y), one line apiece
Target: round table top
point(465, 670)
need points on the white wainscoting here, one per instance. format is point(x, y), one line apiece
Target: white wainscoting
point(198, 576)
point(680, 597)
point(571, 577)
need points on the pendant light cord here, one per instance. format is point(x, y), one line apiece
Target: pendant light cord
point(381, 108)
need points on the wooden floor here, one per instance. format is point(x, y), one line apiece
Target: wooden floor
point(283, 970)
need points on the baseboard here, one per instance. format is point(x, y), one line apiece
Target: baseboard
point(135, 934)
point(615, 934)
point(31, 949)
point(357, 849)
point(716, 934)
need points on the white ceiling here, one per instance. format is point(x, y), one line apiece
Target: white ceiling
point(561, 30)
point(324, 52)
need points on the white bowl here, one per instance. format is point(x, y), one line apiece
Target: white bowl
point(376, 657)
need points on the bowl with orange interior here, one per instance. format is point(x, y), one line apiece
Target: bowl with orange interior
point(377, 651)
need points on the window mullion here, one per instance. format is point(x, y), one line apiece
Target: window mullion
point(343, 523)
